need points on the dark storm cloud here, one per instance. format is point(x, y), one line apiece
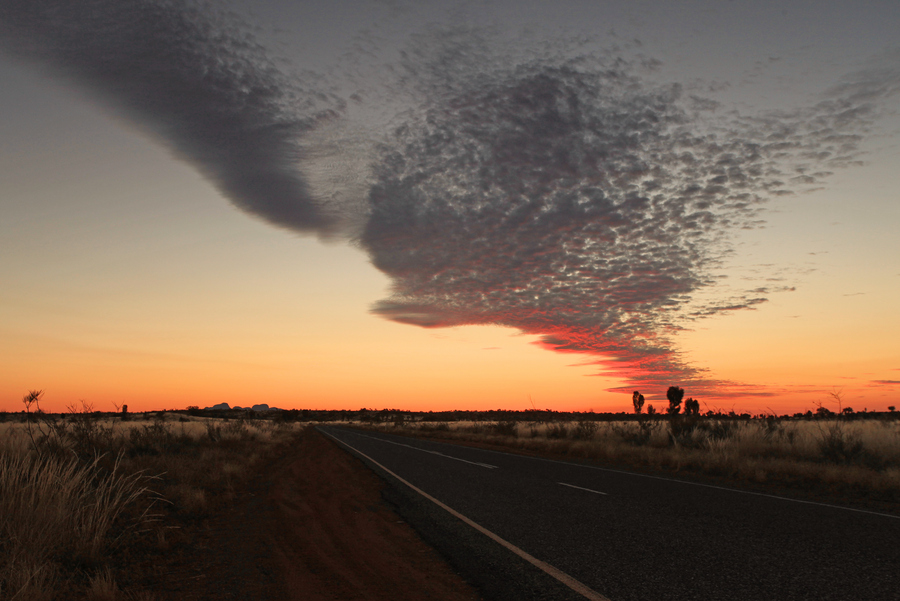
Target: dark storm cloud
point(573, 200)
point(195, 78)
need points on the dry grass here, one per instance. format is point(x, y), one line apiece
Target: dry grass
point(859, 456)
point(52, 507)
point(76, 490)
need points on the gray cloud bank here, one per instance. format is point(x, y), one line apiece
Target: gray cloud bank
point(557, 194)
point(573, 200)
point(192, 75)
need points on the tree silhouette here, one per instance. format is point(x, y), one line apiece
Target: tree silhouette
point(638, 401)
point(674, 394)
point(692, 407)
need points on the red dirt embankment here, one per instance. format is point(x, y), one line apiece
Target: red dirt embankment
point(313, 527)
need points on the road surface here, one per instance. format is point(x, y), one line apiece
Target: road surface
point(624, 536)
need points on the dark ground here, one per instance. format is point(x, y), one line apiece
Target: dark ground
point(311, 526)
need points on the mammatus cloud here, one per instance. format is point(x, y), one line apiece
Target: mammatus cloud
point(193, 76)
point(573, 200)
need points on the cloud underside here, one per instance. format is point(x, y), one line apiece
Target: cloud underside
point(574, 201)
point(558, 194)
point(193, 77)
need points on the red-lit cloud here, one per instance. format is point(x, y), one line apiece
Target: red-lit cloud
point(556, 193)
point(573, 200)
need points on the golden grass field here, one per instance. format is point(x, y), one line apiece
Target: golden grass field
point(76, 490)
point(80, 494)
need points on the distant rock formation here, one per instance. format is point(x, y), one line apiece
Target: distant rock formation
point(226, 407)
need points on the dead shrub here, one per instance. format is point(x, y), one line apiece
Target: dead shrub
point(838, 446)
point(636, 434)
point(505, 428)
point(557, 430)
point(434, 427)
point(584, 430)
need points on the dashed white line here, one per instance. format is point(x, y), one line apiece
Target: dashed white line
point(689, 483)
point(580, 588)
point(582, 488)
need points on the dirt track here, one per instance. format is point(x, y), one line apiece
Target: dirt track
point(312, 527)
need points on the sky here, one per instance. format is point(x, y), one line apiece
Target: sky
point(439, 205)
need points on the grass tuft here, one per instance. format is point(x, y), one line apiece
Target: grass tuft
point(78, 491)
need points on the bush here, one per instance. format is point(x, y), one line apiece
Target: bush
point(695, 432)
point(438, 427)
point(771, 426)
point(584, 430)
point(557, 430)
point(506, 428)
point(681, 430)
point(637, 436)
point(838, 446)
point(717, 429)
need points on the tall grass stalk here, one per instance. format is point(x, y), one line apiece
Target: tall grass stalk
point(56, 510)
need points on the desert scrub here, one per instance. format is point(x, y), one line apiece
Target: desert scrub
point(584, 430)
point(56, 512)
point(434, 427)
point(506, 428)
point(859, 457)
point(78, 492)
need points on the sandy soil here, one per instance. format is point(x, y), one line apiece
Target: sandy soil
point(313, 526)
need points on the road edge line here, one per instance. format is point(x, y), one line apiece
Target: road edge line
point(675, 480)
point(409, 446)
point(596, 492)
point(575, 585)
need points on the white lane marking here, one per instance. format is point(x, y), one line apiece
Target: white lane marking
point(408, 446)
point(725, 488)
point(582, 488)
point(570, 582)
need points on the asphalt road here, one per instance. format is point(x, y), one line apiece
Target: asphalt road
point(629, 536)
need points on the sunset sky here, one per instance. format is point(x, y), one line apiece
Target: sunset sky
point(431, 206)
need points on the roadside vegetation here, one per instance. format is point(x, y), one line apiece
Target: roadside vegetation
point(87, 496)
point(89, 500)
point(845, 455)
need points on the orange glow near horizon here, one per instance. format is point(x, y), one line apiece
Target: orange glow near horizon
point(130, 278)
point(467, 368)
point(297, 334)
